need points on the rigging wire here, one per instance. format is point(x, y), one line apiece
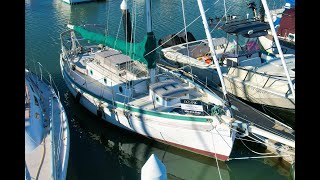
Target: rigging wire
point(267, 129)
point(258, 157)
point(225, 12)
point(107, 28)
point(270, 145)
point(219, 133)
point(135, 28)
point(266, 144)
point(255, 151)
point(266, 110)
point(215, 154)
point(175, 34)
point(216, 2)
point(261, 142)
point(214, 27)
point(126, 38)
point(186, 35)
point(118, 32)
point(184, 23)
point(131, 40)
point(179, 32)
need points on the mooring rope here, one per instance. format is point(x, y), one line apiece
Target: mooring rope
point(215, 154)
point(253, 150)
point(257, 157)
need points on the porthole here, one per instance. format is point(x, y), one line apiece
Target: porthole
point(31, 88)
point(157, 99)
point(105, 80)
point(36, 102)
point(91, 72)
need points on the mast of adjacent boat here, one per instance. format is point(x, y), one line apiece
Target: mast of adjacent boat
point(126, 20)
point(152, 71)
point(274, 34)
point(212, 51)
point(251, 128)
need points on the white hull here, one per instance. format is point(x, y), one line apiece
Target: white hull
point(257, 90)
point(243, 89)
point(198, 137)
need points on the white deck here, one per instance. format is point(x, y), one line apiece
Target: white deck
point(40, 159)
point(198, 51)
point(141, 100)
point(275, 67)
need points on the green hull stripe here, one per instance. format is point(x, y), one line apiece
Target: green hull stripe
point(134, 109)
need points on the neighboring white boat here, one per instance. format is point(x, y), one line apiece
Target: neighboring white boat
point(199, 61)
point(124, 87)
point(46, 131)
point(264, 84)
point(249, 73)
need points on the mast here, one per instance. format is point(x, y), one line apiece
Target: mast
point(262, 13)
point(126, 20)
point(148, 15)
point(212, 51)
point(274, 34)
point(152, 71)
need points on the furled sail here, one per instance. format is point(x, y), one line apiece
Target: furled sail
point(136, 51)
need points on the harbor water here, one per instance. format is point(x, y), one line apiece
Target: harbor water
point(99, 150)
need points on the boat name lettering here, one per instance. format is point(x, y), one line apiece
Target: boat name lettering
point(191, 106)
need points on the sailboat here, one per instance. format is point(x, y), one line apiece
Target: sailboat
point(250, 73)
point(47, 138)
point(120, 82)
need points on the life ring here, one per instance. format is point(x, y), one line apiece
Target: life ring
point(206, 59)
